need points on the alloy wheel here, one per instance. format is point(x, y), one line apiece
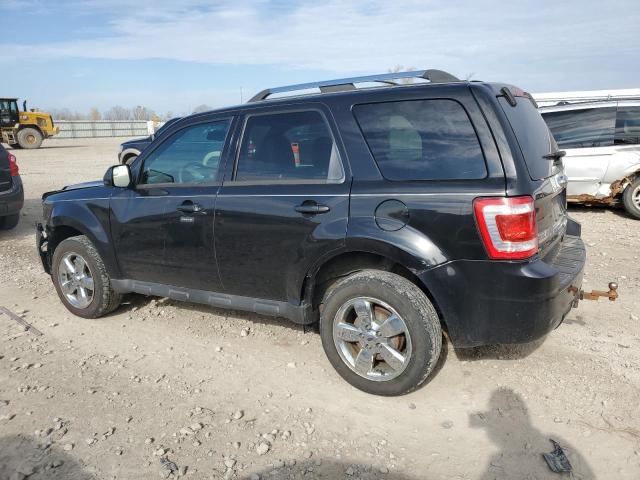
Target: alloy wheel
point(372, 339)
point(76, 280)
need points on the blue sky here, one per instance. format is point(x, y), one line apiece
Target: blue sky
point(174, 55)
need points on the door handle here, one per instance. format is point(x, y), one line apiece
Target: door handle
point(309, 207)
point(193, 208)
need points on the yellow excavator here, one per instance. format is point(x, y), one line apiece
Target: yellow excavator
point(26, 128)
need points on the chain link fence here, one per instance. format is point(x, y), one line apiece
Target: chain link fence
point(103, 128)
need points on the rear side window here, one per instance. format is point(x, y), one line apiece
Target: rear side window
point(291, 146)
point(628, 126)
point(422, 140)
point(583, 128)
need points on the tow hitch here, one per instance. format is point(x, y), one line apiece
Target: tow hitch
point(612, 294)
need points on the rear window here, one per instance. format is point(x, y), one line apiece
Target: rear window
point(628, 126)
point(533, 136)
point(422, 140)
point(582, 128)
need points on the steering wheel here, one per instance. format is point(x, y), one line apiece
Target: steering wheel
point(191, 172)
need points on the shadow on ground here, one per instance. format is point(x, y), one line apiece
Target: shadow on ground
point(508, 426)
point(22, 458)
point(499, 352)
point(330, 469)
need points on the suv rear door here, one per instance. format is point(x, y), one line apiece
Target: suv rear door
point(545, 168)
point(284, 202)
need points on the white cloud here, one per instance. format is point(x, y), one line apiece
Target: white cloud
point(493, 39)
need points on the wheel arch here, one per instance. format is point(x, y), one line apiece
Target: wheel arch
point(31, 125)
point(345, 262)
point(72, 220)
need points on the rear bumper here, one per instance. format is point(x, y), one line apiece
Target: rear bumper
point(12, 200)
point(489, 302)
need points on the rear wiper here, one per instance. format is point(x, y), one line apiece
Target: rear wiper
point(555, 156)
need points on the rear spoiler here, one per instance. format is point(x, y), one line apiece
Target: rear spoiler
point(510, 94)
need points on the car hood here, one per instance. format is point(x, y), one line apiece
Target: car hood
point(77, 186)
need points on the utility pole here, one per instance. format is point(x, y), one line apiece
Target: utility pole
point(241, 101)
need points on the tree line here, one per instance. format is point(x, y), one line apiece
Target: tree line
point(115, 113)
point(118, 113)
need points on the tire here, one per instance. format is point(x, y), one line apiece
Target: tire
point(29, 138)
point(9, 222)
point(390, 294)
point(631, 198)
point(128, 160)
point(103, 298)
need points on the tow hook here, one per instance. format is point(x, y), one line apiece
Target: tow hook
point(612, 294)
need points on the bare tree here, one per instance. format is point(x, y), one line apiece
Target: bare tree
point(117, 113)
point(401, 68)
point(94, 114)
point(142, 113)
point(202, 108)
point(65, 114)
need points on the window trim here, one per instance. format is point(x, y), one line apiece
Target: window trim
point(466, 112)
point(286, 181)
point(220, 171)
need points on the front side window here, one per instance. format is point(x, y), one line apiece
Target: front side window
point(191, 155)
point(292, 146)
point(628, 126)
point(422, 140)
point(587, 127)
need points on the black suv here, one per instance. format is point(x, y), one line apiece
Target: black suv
point(388, 211)
point(11, 192)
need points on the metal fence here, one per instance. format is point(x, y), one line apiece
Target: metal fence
point(91, 129)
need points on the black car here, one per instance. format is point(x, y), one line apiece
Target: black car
point(11, 192)
point(130, 149)
point(386, 213)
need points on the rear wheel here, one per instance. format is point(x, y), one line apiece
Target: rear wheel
point(30, 138)
point(81, 279)
point(631, 198)
point(380, 332)
point(9, 222)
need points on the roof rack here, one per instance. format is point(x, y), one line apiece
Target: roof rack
point(344, 84)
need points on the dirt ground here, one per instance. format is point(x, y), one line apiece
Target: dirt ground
point(224, 394)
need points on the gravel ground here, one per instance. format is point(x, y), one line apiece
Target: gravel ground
point(161, 389)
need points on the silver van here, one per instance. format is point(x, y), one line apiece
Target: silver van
point(602, 144)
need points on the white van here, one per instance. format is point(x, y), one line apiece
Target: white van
point(602, 143)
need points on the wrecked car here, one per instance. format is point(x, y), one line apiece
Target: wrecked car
point(602, 144)
point(387, 214)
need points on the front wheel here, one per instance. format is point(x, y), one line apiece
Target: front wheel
point(631, 198)
point(380, 332)
point(81, 279)
point(30, 138)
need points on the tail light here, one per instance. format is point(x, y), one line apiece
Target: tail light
point(507, 226)
point(13, 166)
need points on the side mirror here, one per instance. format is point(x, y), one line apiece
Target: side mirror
point(118, 176)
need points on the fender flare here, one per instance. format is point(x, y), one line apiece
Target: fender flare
point(81, 218)
point(415, 252)
point(127, 152)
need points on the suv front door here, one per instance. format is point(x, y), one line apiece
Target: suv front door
point(284, 203)
point(163, 227)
